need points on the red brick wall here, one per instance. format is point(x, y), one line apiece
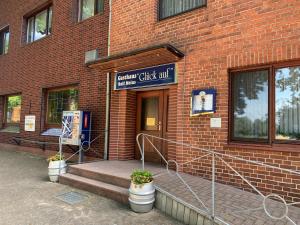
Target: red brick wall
point(56, 60)
point(221, 36)
point(122, 125)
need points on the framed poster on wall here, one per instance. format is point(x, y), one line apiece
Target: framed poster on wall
point(203, 102)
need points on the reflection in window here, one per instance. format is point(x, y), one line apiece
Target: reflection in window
point(59, 101)
point(250, 104)
point(287, 99)
point(39, 25)
point(149, 120)
point(13, 109)
point(89, 8)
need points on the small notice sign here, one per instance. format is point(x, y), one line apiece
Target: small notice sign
point(215, 122)
point(30, 123)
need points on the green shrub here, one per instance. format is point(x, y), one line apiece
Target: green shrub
point(141, 177)
point(55, 158)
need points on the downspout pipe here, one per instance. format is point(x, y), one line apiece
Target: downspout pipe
point(107, 111)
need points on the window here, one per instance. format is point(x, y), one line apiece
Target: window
point(59, 100)
point(287, 103)
point(266, 105)
point(4, 41)
point(89, 8)
point(39, 25)
point(250, 105)
point(12, 113)
point(168, 8)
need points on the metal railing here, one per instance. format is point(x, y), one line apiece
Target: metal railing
point(221, 163)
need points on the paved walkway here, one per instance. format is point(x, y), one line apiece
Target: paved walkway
point(234, 206)
point(27, 198)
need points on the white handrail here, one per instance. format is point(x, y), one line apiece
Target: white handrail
point(220, 156)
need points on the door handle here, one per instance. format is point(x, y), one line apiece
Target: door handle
point(159, 125)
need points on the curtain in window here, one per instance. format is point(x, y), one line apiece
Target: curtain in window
point(287, 99)
point(173, 7)
point(250, 105)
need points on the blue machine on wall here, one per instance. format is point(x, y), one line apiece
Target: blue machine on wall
point(76, 128)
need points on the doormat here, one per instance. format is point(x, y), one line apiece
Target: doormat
point(72, 197)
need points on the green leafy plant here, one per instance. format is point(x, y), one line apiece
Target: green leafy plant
point(141, 177)
point(55, 157)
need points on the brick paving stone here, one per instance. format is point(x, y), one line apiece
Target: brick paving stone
point(233, 205)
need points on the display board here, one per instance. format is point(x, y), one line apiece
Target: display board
point(203, 102)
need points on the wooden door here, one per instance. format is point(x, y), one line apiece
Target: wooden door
point(152, 119)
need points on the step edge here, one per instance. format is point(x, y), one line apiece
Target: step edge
point(73, 177)
point(100, 173)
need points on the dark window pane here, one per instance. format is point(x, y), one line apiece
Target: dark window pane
point(50, 21)
point(87, 9)
point(173, 7)
point(40, 25)
point(6, 42)
point(250, 105)
point(30, 29)
point(100, 6)
point(59, 101)
point(13, 109)
point(149, 119)
point(287, 103)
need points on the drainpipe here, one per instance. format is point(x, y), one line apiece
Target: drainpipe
point(107, 113)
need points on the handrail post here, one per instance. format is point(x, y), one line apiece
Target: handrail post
point(143, 153)
point(60, 153)
point(213, 189)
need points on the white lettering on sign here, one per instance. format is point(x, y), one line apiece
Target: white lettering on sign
point(147, 76)
point(165, 75)
point(127, 77)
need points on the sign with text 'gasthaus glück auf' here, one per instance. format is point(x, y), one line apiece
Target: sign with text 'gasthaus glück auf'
point(147, 77)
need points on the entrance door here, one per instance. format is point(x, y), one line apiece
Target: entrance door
point(152, 110)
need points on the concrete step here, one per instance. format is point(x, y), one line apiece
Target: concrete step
point(114, 192)
point(100, 176)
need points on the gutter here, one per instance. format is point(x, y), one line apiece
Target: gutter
point(107, 111)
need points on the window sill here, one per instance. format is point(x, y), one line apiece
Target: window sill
point(53, 132)
point(25, 44)
point(88, 19)
point(265, 147)
point(12, 130)
point(3, 55)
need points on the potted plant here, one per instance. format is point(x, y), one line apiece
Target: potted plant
point(57, 166)
point(141, 191)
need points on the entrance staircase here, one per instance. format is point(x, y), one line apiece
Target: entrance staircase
point(101, 182)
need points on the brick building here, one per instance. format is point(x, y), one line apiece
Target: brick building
point(46, 70)
point(248, 52)
point(226, 44)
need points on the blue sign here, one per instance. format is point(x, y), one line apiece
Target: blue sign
point(147, 77)
point(203, 102)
